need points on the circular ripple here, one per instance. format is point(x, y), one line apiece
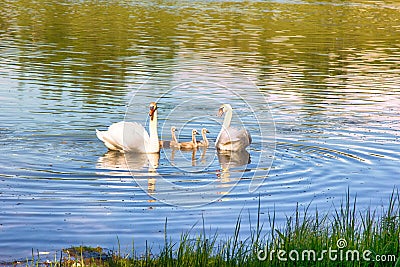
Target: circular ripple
point(201, 88)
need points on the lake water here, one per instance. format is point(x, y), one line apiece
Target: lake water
point(317, 83)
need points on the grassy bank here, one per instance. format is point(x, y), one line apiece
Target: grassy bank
point(346, 237)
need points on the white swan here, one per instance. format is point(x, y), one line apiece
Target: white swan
point(131, 136)
point(204, 142)
point(231, 139)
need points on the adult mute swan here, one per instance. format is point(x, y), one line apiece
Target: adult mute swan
point(131, 136)
point(231, 139)
point(204, 142)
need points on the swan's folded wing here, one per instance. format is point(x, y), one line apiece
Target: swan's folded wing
point(234, 139)
point(247, 137)
point(131, 136)
point(125, 136)
point(108, 142)
point(99, 135)
point(231, 135)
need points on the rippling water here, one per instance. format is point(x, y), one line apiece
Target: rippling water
point(328, 70)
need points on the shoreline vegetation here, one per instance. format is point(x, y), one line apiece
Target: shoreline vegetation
point(347, 237)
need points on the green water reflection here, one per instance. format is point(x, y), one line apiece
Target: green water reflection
point(99, 46)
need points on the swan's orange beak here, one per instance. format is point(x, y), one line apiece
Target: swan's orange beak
point(152, 110)
point(220, 112)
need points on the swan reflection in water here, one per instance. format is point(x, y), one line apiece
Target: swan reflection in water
point(194, 160)
point(123, 164)
point(144, 166)
point(232, 162)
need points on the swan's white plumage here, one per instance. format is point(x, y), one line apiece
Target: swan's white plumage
point(125, 137)
point(232, 139)
point(131, 136)
point(229, 138)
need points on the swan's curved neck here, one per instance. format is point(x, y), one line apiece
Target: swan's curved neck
point(204, 137)
point(154, 144)
point(225, 124)
point(227, 119)
point(194, 138)
point(174, 137)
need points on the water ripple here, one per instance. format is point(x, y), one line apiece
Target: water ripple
point(70, 68)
